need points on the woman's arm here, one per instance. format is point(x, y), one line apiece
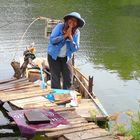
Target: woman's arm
point(56, 35)
point(74, 43)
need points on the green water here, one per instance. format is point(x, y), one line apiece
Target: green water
point(110, 41)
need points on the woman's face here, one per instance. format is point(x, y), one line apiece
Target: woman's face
point(72, 22)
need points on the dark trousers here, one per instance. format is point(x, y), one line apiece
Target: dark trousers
point(60, 67)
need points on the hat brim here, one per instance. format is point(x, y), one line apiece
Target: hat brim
point(81, 21)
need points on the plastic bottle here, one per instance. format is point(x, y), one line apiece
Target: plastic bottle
point(73, 102)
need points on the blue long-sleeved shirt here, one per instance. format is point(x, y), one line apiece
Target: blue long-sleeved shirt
point(57, 41)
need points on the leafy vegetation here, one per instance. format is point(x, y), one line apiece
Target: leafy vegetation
point(121, 129)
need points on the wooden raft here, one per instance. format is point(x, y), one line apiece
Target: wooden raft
point(24, 94)
point(79, 129)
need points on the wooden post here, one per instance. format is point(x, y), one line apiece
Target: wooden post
point(90, 85)
point(46, 28)
point(73, 62)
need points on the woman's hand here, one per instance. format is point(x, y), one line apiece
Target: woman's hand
point(68, 33)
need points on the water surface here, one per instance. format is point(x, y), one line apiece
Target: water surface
point(109, 43)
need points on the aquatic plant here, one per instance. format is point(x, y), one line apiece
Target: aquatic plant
point(121, 129)
point(93, 115)
point(135, 126)
point(40, 137)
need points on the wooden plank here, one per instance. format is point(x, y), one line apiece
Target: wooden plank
point(61, 108)
point(55, 132)
point(39, 105)
point(69, 114)
point(5, 96)
point(55, 108)
point(13, 138)
point(7, 80)
point(24, 87)
point(99, 138)
point(62, 138)
point(103, 138)
point(77, 72)
point(77, 120)
point(70, 129)
point(14, 86)
point(14, 81)
point(28, 88)
point(33, 101)
point(72, 117)
point(87, 134)
point(92, 96)
point(85, 108)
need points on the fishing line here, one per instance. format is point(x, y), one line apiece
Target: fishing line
point(11, 23)
point(38, 18)
point(7, 24)
point(24, 35)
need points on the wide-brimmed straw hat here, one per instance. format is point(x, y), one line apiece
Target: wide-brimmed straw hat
point(81, 21)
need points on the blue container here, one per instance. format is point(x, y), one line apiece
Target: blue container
point(50, 97)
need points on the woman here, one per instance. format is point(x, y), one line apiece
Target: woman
point(64, 41)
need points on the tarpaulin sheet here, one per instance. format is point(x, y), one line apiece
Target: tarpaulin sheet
point(29, 130)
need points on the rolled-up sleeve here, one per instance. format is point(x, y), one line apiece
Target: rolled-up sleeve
point(74, 45)
point(56, 35)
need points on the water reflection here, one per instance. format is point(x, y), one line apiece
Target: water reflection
point(115, 38)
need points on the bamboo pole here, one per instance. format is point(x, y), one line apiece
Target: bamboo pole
point(98, 104)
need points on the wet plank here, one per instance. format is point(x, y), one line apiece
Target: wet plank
point(60, 130)
point(87, 134)
point(70, 129)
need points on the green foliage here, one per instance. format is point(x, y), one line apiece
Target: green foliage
point(119, 129)
point(40, 137)
point(135, 127)
point(133, 131)
point(93, 115)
